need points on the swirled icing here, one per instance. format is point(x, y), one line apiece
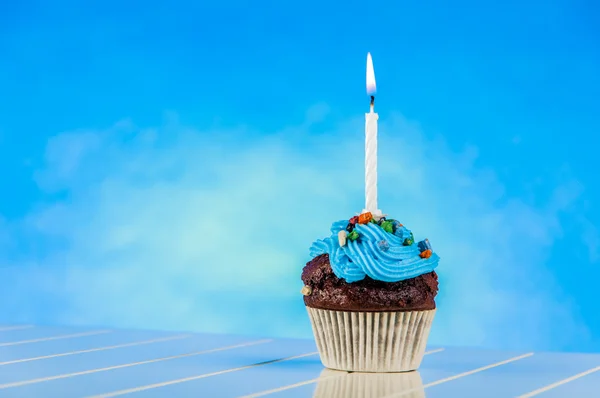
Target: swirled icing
point(365, 256)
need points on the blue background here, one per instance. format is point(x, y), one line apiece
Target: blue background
point(168, 164)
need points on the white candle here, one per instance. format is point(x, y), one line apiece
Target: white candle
point(371, 145)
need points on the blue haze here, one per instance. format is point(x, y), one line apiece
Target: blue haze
point(168, 164)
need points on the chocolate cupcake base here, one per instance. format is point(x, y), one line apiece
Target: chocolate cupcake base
point(371, 341)
point(368, 325)
point(329, 292)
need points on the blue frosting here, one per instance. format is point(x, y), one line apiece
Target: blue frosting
point(376, 253)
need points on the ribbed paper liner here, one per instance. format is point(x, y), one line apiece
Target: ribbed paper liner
point(371, 341)
point(337, 384)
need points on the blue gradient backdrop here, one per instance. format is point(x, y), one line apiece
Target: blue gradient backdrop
point(167, 164)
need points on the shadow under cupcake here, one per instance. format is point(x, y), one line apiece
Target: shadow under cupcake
point(337, 384)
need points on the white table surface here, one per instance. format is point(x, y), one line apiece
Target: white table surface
point(40, 361)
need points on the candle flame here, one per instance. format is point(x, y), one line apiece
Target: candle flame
point(371, 86)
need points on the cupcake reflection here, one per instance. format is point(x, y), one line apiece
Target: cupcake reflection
point(338, 384)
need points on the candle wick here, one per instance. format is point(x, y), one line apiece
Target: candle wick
point(372, 103)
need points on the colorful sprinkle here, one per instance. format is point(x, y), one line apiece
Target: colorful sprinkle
point(353, 220)
point(388, 226)
point(424, 245)
point(409, 241)
point(353, 235)
point(426, 254)
point(365, 218)
point(342, 238)
point(397, 225)
point(384, 245)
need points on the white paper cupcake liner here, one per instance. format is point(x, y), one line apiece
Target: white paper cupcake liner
point(337, 384)
point(371, 341)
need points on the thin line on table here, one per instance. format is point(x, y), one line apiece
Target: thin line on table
point(311, 381)
point(127, 365)
point(59, 337)
point(16, 327)
point(105, 348)
point(461, 375)
point(559, 383)
point(202, 376)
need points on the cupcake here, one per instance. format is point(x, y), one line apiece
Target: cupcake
point(369, 291)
